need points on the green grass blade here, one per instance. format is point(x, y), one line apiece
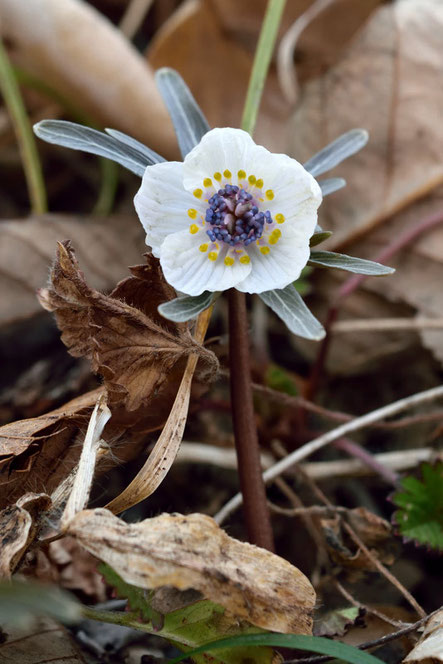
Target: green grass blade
point(262, 59)
point(315, 644)
point(25, 137)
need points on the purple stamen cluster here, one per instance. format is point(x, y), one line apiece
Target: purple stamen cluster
point(234, 217)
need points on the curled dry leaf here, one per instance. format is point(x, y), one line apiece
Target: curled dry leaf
point(27, 246)
point(387, 81)
point(76, 51)
point(375, 532)
point(193, 552)
point(18, 525)
point(132, 347)
point(43, 641)
point(430, 645)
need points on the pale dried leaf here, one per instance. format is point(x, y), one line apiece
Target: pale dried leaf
point(430, 645)
point(27, 245)
point(193, 552)
point(86, 465)
point(75, 50)
point(18, 525)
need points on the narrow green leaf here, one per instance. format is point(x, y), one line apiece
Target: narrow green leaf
point(186, 308)
point(330, 185)
point(319, 237)
point(22, 127)
point(349, 263)
point(333, 154)
point(187, 117)
point(289, 306)
point(20, 601)
point(79, 137)
point(311, 643)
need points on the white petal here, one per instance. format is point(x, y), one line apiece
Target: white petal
point(219, 149)
point(162, 203)
point(280, 267)
point(190, 271)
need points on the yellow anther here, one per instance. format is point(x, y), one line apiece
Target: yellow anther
point(212, 255)
point(227, 173)
point(207, 182)
point(198, 193)
point(252, 179)
point(192, 213)
point(203, 247)
point(269, 194)
point(264, 250)
point(229, 260)
point(259, 183)
point(193, 229)
point(217, 176)
point(245, 260)
point(241, 175)
point(275, 236)
point(279, 218)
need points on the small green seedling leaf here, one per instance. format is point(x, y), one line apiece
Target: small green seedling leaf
point(319, 237)
point(349, 263)
point(289, 306)
point(420, 514)
point(279, 379)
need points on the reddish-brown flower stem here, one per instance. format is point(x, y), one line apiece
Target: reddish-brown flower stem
point(256, 511)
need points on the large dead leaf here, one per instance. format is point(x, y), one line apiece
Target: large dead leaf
point(193, 552)
point(232, 29)
point(79, 53)
point(26, 249)
point(387, 81)
point(133, 348)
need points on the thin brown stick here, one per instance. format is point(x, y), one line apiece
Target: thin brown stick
point(358, 541)
point(368, 644)
point(351, 284)
point(257, 516)
point(367, 609)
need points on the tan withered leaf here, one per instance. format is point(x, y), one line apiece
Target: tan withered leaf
point(104, 247)
point(18, 525)
point(129, 346)
point(193, 552)
point(430, 645)
point(108, 78)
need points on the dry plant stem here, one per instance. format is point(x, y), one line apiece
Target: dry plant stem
point(257, 516)
point(358, 452)
point(355, 425)
point(387, 324)
point(165, 450)
point(134, 16)
point(351, 284)
point(373, 558)
point(368, 609)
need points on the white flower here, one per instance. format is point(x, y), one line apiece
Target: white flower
point(232, 214)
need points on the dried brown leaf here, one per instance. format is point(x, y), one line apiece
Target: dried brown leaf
point(79, 53)
point(42, 642)
point(18, 525)
point(193, 552)
point(27, 246)
point(130, 347)
point(375, 532)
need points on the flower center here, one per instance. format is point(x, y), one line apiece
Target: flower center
point(234, 217)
